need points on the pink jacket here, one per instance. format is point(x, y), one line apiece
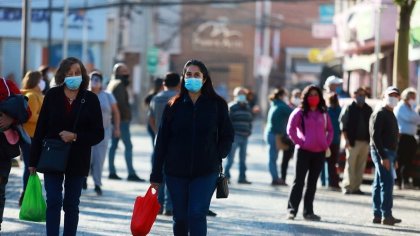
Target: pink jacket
point(318, 134)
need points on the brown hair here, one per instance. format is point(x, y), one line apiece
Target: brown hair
point(277, 94)
point(31, 79)
point(65, 66)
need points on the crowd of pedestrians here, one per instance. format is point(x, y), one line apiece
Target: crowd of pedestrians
point(193, 129)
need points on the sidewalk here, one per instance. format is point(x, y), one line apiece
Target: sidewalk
point(257, 209)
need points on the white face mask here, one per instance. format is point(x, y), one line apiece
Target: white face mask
point(41, 85)
point(391, 101)
point(296, 101)
point(412, 103)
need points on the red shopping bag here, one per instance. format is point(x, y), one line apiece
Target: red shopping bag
point(145, 212)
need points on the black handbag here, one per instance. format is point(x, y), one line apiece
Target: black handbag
point(54, 156)
point(222, 190)
point(55, 152)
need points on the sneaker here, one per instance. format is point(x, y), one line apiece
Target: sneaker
point(114, 176)
point(243, 181)
point(377, 220)
point(390, 220)
point(134, 177)
point(290, 216)
point(168, 213)
point(98, 190)
point(211, 213)
point(312, 217)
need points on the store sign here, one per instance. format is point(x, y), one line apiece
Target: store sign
point(214, 35)
point(11, 19)
point(326, 13)
point(8, 14)
point(323, 31)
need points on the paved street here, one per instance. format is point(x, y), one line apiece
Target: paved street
point(257, 209)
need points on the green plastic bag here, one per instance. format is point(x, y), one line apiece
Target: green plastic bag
point(33, 205)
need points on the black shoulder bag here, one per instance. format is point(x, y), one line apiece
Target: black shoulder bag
point(55, 152)
point(222, 185)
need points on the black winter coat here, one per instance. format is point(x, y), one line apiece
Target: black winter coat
point(192, 139)
point(52, 120)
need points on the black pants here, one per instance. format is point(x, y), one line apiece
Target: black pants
point(5, 166)
point(311, 163)
point(287, 155)
point(406, 153)
point(332, 161)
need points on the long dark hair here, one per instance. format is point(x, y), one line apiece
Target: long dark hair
point(65, 65)
point(305, 94)
point(207, 88)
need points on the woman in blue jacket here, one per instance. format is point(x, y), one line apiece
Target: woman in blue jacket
point(194, 136)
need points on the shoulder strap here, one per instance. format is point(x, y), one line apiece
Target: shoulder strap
point(303, 122)
point(7, 87)
point(82, 101)
point(325, 119)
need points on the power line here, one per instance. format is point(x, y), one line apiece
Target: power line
point(154, 3)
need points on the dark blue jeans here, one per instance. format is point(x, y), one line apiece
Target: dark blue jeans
point(240, 142)
point(383, 184)
point(128, 152)
point(70, 203)
point(191, 201)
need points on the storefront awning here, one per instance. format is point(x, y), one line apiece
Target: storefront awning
point(360, 62)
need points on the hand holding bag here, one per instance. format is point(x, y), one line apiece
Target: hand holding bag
point(55, 152)
point(222, 190)
point(145, 212)
point(33, 205)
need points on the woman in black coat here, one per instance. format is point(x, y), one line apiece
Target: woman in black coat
point(195, 135)
point(56, 120)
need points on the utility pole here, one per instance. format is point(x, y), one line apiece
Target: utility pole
point(26, 9)
point(49, 39)
point(65, 39)
point(85, 35)
point(266, 55)
point(377, 51)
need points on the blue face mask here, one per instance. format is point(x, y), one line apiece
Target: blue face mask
point(241, 98)
point(193, 84)
point(73, 82)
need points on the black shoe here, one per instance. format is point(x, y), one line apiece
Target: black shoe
point(21, 198)
point(134, 177)
point(211, 213)
point(358, 192)
point(244, 181)
point(84, 186)
point(377, 220)
point(391, 220)
point(114, 176)
point(312, 217)
point(160, 212)
point(98, 190)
